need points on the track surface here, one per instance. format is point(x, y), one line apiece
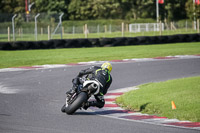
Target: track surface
point(36, 97)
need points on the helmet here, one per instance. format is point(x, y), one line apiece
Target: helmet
point(107, 65)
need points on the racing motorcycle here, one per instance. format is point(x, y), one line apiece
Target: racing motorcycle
point(85, 90)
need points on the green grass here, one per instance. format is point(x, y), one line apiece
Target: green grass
point(73, 55)
point(31, 37)
point(155, 98)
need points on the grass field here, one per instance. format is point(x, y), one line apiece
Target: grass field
point(155, 98)
point(31, 37)
point(73, 55)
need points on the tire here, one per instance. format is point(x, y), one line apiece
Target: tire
point(70, 109)
point(63, 108)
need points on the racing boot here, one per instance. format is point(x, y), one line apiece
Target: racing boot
point(88, 104)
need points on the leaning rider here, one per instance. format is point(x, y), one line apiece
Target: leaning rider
point(102, 74)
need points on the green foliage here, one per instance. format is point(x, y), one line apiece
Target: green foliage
point(50, 6)
point(147, 20)
point(171, 10)
point(182, 23)
point(139, 8)
point(175, 9)
point(12, 6)
point(47, 19)
point(190, 10)
point(94, 9)
point(94, 22)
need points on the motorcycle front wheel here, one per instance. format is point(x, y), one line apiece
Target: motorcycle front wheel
point(71, 108)
point(63, 108)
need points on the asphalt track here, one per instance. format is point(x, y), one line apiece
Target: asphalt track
point(30, 101)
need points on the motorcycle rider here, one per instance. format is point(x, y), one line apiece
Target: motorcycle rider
point(101, 74)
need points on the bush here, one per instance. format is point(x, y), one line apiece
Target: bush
point(182, 23)
point(148, 20)
point(94, 22)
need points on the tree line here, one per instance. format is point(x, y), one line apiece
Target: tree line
point(170, 10)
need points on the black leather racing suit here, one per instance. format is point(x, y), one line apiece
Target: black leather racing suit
point(103, 76)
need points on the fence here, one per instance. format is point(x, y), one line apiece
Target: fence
point(146, 27)
point(36, 27)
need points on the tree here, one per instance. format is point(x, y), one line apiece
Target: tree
point(57, 6)
point(105, 9)
point(12, 6)
point(94, 9)
point(191, 9)
point(138, 8)
point(175, 9)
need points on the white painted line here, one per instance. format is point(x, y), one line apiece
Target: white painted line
point(51, 66)
point(142, 59)
point(112, 96)
point(197, 128)
point(112, 108)
point(109, 102)
point(123, 90)
point(127, 114)
point(160, 120)
point(7, 90)
point(118, 115)
point(11, 69)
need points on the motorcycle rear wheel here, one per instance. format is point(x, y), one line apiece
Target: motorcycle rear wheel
point(70, 109)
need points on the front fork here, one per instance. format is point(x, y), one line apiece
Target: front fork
point(70, 99)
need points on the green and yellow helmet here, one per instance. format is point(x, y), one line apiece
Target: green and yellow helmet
point(107, 65)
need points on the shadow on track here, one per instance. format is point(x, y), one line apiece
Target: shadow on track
point(109, 112)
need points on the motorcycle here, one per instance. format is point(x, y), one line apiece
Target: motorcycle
point(80, 97)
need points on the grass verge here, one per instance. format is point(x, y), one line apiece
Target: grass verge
point(73, 55)
point(31, 37)
point(155, 98)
